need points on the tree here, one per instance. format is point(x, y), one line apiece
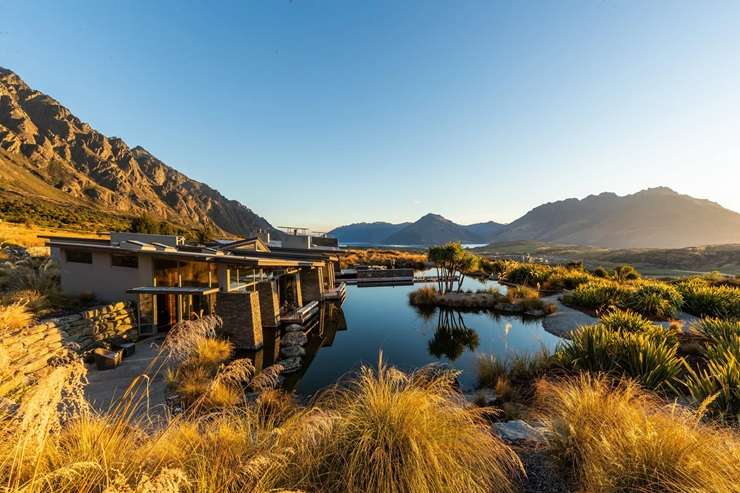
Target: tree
point(452, 262)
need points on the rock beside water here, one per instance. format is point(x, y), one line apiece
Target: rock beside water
point(294, 339)
point(291, 364)
point(292, 351)
point(294, 328)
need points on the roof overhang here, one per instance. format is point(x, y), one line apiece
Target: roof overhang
point(172, 290)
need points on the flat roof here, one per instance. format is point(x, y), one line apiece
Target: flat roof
point(172, 290)
point(252, 258)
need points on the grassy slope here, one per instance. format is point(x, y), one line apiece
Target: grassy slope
point(20, 234)
point(723, 258)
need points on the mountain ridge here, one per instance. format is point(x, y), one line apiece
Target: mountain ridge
point(43, 140)
point(651, 218)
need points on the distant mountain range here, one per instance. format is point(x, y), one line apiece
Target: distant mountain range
point(428, 230)
point(49, 155)
point(652, 218)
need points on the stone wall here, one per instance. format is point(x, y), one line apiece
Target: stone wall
point(312, 285)
point(32, 351)
point(269, 303)
point(242, 323)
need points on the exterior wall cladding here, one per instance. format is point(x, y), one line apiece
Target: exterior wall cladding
point(241, 317)
point(101, 278)
point(269, 303)
point(312, 284)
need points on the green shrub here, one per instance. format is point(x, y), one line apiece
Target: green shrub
point(598, 294)
point(649, 298)
point(705, 300)
point(563, 278)
point(601, 272)
point(717, 329)
point(649, 359)
point(626, 320)
point(655, 299)
point(626, 273)
point(717, 386)
point(527, 273)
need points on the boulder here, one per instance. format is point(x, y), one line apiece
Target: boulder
point(519, 431)
point(292, 351)
point(294, 328)
point(291, 364)
point(294, 339)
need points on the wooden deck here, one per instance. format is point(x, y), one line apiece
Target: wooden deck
point(339, 293)
point(300, 315)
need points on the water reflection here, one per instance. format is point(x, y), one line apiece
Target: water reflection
point(452, 336)
point(341, 338)
point(321, 331)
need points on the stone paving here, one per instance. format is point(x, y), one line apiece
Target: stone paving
point(104, 388)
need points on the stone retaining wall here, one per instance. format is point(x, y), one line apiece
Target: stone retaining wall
point(32, 352)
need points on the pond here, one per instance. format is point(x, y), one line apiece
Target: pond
point(380, 318)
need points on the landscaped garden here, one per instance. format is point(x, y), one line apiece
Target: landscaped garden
point(626, 404)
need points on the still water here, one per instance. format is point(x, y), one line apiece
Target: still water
point(380, 318)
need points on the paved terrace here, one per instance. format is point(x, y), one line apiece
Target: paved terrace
point(105, 388)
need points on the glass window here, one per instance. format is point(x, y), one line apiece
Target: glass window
point(79, 256)
point(165, 272)
point(118, 260)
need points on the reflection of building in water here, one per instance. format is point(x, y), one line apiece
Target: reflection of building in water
point(321, 330)
point(452, 336)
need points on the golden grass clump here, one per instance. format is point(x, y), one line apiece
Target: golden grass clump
point(385, 257)
point(424, 296)
point(394, 432)
point(14, 317)
point(620, 438)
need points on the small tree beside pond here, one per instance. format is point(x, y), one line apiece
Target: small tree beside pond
point(452, 262)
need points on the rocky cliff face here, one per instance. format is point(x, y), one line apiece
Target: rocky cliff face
point(68, 154)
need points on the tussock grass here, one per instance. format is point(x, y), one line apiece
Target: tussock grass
point(38, 274)
point(424, 296)
point(624, 439)
point(385, 257)
point(14, 317)
point(385, 431)
point(517, 368)
point(519, 293)
point(394, 432)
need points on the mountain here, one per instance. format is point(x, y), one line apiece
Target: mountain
point(652, 218)
point(372, 233)
point(428, 230)
point(48, 154)
point(486, 231)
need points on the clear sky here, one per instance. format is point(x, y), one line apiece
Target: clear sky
point(322, 113)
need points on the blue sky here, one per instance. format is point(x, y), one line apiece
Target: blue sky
point(322, 113)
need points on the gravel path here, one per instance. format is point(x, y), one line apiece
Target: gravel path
point(543, 476)
point(565, 319)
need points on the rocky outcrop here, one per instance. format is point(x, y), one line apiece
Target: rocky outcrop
point(78, 162)
point(34, 351)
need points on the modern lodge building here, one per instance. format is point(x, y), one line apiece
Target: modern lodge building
point(250, 284)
